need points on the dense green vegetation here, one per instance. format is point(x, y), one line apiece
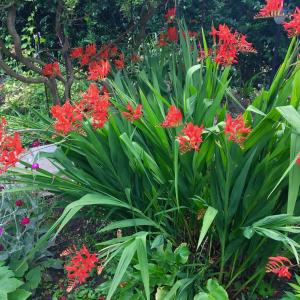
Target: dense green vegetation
point(149, 151)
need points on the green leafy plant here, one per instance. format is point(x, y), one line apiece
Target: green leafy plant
point(137, 174)
point(10, 286)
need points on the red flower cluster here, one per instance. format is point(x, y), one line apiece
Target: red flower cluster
point(298, 159)
point(10, 147)
point(80, 267)
point(293, 27)
point(273, 8)
point(51, 70)
point(67, 117)
point(98, 70)
point(236, 129)
point(170, 15)
point(279, 265)
point(133, 114)
point(94, 105)
point(191, 138)
point(229, 44)
point(98, 63)
point(173, 118)
point(85, 55)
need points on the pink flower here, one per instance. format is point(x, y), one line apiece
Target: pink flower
point(19, 203)
point(1, 231)
point(35, 166)
point(25, 221)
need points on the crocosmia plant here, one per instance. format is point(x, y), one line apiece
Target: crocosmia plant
point(166, 161)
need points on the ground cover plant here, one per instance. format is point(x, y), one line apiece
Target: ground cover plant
point(201, 202)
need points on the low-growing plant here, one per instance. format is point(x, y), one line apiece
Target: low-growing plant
point(22, 223)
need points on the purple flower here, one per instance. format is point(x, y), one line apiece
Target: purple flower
point(1, 231)
point(35, 166)
point(35, 143)
point(2, 187)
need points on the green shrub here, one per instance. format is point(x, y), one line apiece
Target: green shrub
point(234, 196)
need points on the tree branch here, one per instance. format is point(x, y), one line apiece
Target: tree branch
point(17, 76)
point(64, 42)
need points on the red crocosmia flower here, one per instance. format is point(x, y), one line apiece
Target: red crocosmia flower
point(202, 54)
point(85, 60)
point(100, 112)
point(51, 70)
point(172, 34)
point(80, 267)
point(228, 44)
point(95, 105)
point(104, 52)
point(162, 39)
point(25, 221)
point(67, 117)
point(190, 138)
point(98, 70)
point(76, 52)
point(226, 55)
point(298, 159)
point(113, 51)
point(279, 265)
point(170, 14)
point(293, 27)
point(19, 203)
point(91, 50)
point(135, 58)
point(119, 63)
point(133, 114)
point(244, 46)
point(235, 129)
point(273, 8)
point(173, 118)
point(192, 34)
point(10, 147)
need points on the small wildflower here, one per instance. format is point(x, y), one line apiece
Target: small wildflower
point(35, 166)
point(25, 221)
point(35, 143)
point(19, 203)
point(1, 231)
